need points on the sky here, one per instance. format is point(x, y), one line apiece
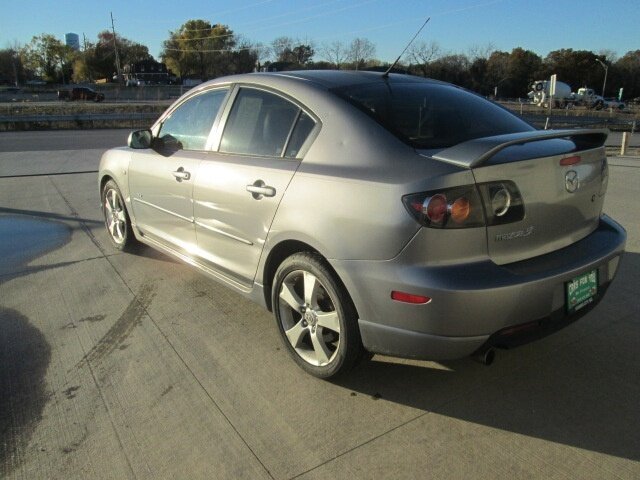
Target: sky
point(456, 25)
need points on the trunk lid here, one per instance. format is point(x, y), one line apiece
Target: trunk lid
point(562, 178)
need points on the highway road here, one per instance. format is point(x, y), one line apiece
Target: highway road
point(117, 365)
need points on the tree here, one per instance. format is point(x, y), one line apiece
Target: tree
point(100, 58)
point(522, 67)
point(360, 52)
point(451, 68)
point(11, 68)
point(200, 48)
point(81, 71)
point(48, 58)
point(627, 74)
point(261, 52)
point(578, 68)
point(480, 52)
point(281, 47)
point(302, 54)
point(421, 53)
point(292, 52)
point(497, 71)
point(478, 74)
point(244, 59)
point(334, 53)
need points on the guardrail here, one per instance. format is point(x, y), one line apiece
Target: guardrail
point(78, 120)
point(563, 121)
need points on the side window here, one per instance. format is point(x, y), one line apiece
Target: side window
point(301, 131)
point(189, 125)
point(259, 124)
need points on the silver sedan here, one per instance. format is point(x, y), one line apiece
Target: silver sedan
point(372, 213)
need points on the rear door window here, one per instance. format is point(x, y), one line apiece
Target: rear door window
point(262, 123)
point(303, 127)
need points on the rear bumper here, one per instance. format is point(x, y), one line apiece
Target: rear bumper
point(476, 304)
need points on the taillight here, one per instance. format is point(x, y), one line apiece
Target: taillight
point(458, 207)
point(493, 203)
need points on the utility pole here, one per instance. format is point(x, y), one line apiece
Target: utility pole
point(606, 69)
point(115, 46)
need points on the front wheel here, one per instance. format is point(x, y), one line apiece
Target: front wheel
point(116, 218)
point(315, 316)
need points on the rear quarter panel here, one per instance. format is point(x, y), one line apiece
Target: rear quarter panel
point(346, 197)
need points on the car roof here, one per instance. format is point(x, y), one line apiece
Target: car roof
point(328, 78)
point(342, 78)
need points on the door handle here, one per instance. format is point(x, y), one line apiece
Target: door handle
point(180, 174)
point(259, 190)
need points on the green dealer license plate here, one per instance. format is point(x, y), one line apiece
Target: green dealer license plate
point(581, 291)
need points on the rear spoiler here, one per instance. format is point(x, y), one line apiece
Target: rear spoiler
point(475, 153)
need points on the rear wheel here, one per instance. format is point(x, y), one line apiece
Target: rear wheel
point(316, 317)
point(116, 218)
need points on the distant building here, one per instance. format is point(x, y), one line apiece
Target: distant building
point(147, 72)
point(72, 40)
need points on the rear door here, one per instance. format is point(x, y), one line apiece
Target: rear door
point(238, 189)
point(161, 178)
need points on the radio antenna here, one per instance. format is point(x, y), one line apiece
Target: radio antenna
point(386, 74)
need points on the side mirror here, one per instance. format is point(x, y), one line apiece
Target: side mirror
point(140, 139)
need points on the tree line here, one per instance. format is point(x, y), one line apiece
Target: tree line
point(204, 50)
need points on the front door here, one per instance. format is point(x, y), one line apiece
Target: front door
point(161, 178)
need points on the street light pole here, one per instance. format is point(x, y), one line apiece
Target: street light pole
point(606, 69)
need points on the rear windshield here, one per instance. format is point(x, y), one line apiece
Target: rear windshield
point(431, 116)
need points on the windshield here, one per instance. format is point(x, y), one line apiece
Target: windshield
point(429, 115)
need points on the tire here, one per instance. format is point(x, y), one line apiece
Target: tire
point(116, 218)
point(316, 318)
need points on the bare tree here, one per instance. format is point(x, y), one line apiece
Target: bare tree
point(422, 53)
point(360, 51)
point(280, 46)
point(334, 52)
point(481, 52)
point(262, 51)
point(610, 55)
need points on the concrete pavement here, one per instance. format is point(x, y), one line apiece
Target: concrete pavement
point(120, 365)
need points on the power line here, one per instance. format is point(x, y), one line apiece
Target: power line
point(301, 20)
point(351, 32)
point(408, 19)
point(224, 12)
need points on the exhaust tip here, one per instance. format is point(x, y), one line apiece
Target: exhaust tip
point(487, 357)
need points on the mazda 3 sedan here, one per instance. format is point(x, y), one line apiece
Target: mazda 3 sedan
point(372, 213)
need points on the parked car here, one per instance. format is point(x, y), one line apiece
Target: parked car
point(80, 93)
point(372, 213)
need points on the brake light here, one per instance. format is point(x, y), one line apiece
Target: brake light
point(492, 203)
point(565, 162)
point(436, 208)
point(458, 207)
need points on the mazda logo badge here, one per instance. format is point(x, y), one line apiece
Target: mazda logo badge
point(571, 181)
